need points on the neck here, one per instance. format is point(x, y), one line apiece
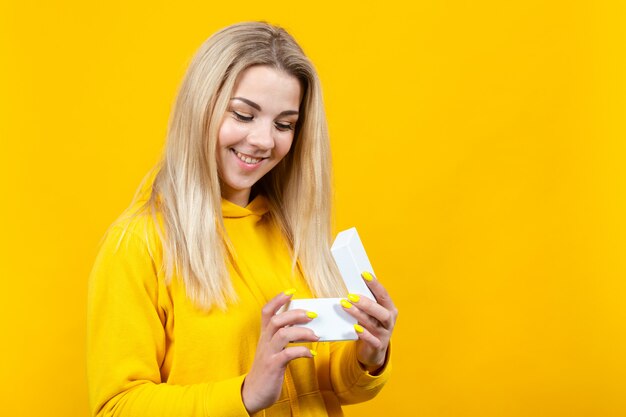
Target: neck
point(239, 197)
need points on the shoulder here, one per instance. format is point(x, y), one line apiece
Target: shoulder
point(135, 231)
point(128, 265)
point(129, 259)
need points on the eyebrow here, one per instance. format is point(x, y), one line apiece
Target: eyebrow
point(256, 106)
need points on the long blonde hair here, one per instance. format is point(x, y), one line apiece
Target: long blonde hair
point(186, 188)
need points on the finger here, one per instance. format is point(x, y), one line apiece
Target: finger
point(286, 335)
point(295, 352)
point(289, 318)
point(360, 316)
point(381, 294)
point(367, 337)
point(272, 307)
point(373, 309)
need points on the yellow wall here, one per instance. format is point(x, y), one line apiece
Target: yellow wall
point(479, 148)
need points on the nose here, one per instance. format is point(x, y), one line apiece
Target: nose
point(261, 136)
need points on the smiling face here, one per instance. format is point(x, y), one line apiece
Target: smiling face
point(257, 130)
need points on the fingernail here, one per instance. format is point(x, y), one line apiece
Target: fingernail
point(290, 291)
point(367, 276)
point(346, 304)
point(311, 314)
point(313, 352)
point(358, 328)
point(354, 298)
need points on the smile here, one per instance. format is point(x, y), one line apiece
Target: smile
point(246, 158)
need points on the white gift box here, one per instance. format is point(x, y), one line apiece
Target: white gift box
point(333, 323)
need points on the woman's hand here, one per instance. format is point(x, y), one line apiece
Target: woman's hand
point(375, 323)
point(263, 384)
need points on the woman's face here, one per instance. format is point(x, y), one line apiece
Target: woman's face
point(257, 130)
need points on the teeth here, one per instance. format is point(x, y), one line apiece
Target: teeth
point(247, 159)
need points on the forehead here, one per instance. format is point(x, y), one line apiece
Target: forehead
point(270, 88)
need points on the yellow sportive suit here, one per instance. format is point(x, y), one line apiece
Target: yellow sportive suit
point(152, 353)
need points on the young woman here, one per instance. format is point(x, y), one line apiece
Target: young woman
point(186, 293)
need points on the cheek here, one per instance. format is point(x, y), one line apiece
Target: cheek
point(229, 133)
point(283, 145)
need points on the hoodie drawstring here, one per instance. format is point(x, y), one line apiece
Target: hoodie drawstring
point(293, 395)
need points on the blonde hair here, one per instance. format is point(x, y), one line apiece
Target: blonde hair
point(186, 188)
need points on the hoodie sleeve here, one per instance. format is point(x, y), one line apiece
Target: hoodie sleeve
point(351, 383)
point(126, 341)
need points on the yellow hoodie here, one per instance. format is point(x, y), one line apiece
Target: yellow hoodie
point(152, 353)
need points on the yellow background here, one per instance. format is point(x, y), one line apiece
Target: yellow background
point(479, 147)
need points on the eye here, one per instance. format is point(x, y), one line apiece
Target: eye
point(284, 126)
point(242, 117)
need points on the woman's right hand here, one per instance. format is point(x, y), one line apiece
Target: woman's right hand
point(261, 387)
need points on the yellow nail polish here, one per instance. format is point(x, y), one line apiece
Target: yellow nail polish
point(367, 276)
point(346, 304)
point(311, 314)
point(354, 298)
point(358, 328)
point(313, 352)
point(290, 291)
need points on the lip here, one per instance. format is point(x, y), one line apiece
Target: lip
point(244, 164)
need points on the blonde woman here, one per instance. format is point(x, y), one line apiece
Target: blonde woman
point(186, 290)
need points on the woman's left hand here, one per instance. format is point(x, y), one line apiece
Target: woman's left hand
point(376, 321)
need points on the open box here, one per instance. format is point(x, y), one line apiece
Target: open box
point(333, 323)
